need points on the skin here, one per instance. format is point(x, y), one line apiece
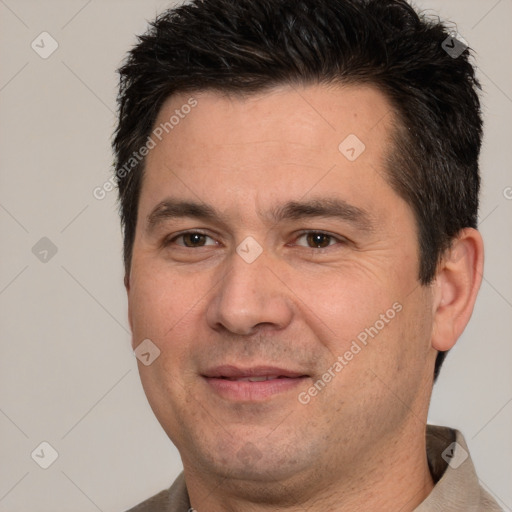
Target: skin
point(361, 439)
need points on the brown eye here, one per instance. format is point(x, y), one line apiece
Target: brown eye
point(194, 239)
point(318, 240)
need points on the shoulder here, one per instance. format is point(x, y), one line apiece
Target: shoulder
point(457, 487)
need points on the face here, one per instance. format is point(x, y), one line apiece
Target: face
point(269, 245)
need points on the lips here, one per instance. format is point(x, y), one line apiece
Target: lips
point(257, 383)
point(255, 379)
point(252, 374)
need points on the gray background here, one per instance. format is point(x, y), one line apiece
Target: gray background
point(67, 373)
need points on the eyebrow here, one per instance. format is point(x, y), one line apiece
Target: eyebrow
point(173, 209)
point(293, 210)
point(328, 207)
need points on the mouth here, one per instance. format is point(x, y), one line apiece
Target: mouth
point(253, 384)
point(260, 378)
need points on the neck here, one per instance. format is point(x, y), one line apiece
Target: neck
point(395, 478)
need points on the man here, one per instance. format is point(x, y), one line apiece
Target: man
point(298, 187)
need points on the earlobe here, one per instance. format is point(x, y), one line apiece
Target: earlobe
point(456, 286)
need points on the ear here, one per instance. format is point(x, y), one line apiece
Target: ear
point(456, 285)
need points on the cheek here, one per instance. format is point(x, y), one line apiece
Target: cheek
point(398, 355)
point(376, 326)
point(164, 308)
point(169, 309)
point(343, 303)
point(157, 302)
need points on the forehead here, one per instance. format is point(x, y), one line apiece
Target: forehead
point(312, 116)
point(288, 140)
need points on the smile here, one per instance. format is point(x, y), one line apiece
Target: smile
point(252, 384)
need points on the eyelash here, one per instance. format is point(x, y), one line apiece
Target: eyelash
point(338, 239)
point(171, 240)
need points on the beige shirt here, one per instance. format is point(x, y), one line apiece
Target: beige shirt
point(456, 485)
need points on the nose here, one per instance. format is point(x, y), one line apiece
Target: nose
point(250, 297)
